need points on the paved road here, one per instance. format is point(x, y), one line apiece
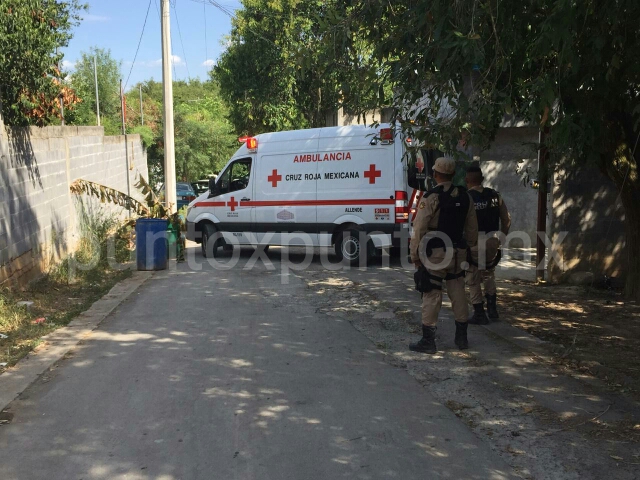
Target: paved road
point(231, 374)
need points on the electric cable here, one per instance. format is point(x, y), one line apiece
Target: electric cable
point(206, 50)
point(224, 10)
point(184, 52)
point(139, 42)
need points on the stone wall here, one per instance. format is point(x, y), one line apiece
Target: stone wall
point(39, 217)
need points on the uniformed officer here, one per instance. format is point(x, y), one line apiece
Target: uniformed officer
point(492, 216)
point(446, 211)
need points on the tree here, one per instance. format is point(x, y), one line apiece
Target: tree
point(278, 73)
point(459, 67)
point(204, 138)
point(31, 31)
point(82, 80)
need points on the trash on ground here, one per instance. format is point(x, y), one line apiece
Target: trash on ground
point(26, 304)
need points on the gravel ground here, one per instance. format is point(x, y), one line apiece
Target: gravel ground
point(547, 421)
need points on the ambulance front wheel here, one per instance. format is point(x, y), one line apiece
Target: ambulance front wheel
point(210, 241)
point(352, 245)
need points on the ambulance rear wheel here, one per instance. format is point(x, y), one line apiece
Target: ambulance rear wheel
point(350, 247)
point(210, 242)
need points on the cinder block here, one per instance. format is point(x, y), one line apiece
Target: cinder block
point(69, 131)
point(91, 131)
point(4, 256)
point(57, 144)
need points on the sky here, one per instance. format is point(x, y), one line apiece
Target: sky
point(116, 25)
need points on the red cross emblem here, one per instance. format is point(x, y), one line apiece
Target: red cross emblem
point(420, 164)
point(372, 174)
point(274, 178)
point(233, 204)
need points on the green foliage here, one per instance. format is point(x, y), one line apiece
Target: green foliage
point(82, 80)
point(459, 67)
point(204, 138)
point(31, 31)
point(146, 134)
point(278, 73)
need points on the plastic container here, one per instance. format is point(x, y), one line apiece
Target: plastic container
point(173, 246)
point(151, 243)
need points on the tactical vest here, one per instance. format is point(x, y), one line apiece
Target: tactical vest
point(453, 215)
point(487, 205)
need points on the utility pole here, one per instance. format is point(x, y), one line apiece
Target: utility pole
point(167, 82)
point(123, 106)
point(95, 78)
point(60, 97)
point(141, 112)
point(543, 156)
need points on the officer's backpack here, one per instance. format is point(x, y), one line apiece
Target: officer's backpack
point(487, 205)
point(453, 214)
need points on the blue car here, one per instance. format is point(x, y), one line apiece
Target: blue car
point(184, 194)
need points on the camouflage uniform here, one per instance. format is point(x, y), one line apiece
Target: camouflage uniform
point(427, 221)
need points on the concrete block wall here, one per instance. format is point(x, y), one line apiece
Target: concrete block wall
point(514, 147)
point(38, 214)
point(586, 206)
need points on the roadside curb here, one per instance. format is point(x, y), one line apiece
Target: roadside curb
point(56, 344)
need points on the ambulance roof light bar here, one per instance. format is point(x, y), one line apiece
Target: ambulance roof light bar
point(386, 136)
point(252, 142)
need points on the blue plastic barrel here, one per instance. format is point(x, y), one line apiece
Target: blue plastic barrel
point(151, 243)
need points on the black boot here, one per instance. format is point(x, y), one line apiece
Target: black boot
point(478, 317)
point(427, 344)
point(461, 336)
point(492, 307)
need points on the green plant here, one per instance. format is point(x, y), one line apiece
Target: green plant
point(31, 31)
point(151, 207)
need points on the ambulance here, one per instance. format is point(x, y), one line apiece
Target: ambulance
point(344, 187)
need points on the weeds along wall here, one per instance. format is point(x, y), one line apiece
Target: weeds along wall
point(40, 219)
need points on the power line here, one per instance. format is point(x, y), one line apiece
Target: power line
point(231, 15)
point(184, 52)
point(204, 12)
point(221, 8)
point(139, 42)
point(173, 63)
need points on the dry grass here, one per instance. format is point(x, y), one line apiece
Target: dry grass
point(599, 330)
point(64, 293)
point(56, 301)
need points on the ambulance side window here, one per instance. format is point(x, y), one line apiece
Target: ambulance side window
point(240, 175)
point(235, 177)
point(223, 181)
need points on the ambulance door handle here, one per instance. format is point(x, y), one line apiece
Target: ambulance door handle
point(244, 199)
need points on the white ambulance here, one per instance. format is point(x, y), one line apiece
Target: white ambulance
point(341, 186)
